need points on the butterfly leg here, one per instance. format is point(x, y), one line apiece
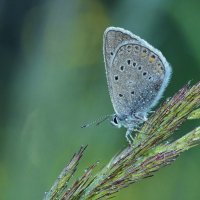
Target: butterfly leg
point(141, 116)
point(152, 111)
point(129, 136)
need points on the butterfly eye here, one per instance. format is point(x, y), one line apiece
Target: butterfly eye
point(115, 120)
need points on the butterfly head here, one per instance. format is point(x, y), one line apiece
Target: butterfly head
point(130, 121)
point(125, 121)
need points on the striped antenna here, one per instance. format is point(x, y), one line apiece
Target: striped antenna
point(97, 122)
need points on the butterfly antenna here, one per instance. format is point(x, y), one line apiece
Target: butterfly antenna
point(96, 122)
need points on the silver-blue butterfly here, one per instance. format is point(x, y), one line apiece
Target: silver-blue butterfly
point(137, 75)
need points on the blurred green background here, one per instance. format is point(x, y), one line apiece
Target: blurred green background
point(52, 80)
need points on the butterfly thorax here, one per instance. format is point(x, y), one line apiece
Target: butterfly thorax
point(128, 121)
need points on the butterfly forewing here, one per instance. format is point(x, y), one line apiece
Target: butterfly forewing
point(113, 37)
point(137, 75)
